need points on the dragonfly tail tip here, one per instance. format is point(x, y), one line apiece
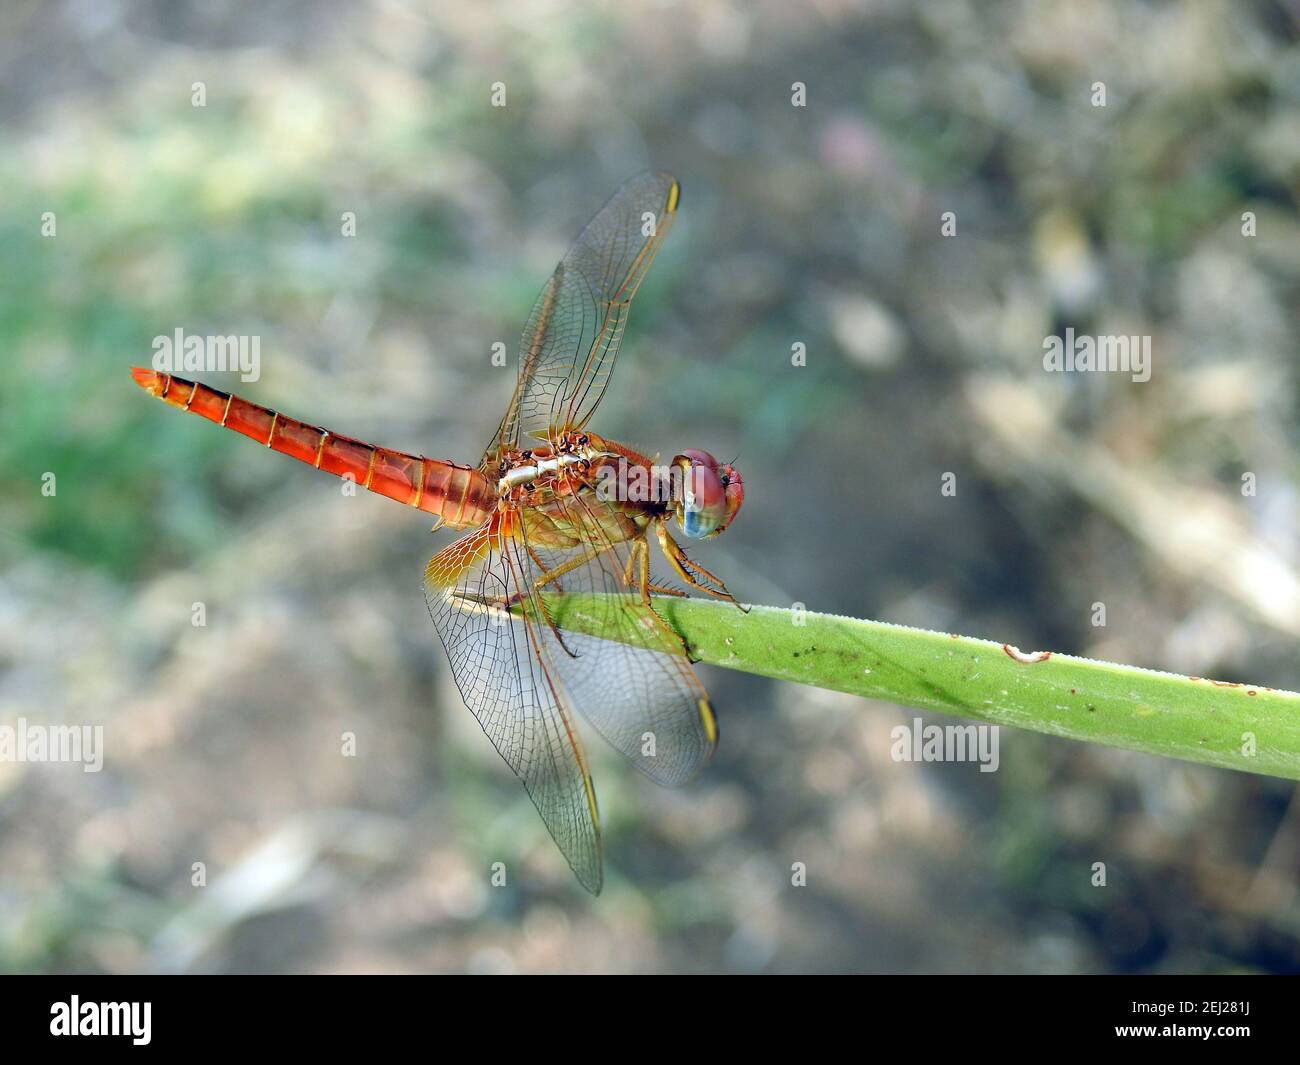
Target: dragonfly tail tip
point(146, 379)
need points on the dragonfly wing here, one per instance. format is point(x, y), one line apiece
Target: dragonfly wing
point(571, 340)
point(644, 700)
point(503, 666)
point(648, 705)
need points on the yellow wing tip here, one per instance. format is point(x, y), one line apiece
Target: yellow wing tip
point(595, 878)
point(710, 721)
point(674, 196)
point(592, 808)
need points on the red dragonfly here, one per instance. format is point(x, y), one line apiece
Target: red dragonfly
point(552, 509)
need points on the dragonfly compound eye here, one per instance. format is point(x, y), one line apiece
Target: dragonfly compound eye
point(700, 499)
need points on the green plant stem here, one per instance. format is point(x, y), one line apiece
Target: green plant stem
point(1235, 726)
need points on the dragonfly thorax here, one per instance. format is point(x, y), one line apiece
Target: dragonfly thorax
point(543, 465)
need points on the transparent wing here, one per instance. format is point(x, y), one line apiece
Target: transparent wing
point(500, 666)
point(644, 700)
point(522, 679)
point(571, 340)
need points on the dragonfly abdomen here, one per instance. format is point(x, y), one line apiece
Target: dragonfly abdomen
point(460, 495)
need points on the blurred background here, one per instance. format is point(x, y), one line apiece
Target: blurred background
point(817, 225)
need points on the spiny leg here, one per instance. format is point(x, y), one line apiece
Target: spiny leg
point(663, 589)
point(552, 575)
point(538, 562)
point(629, 580)
point(641, 555)
point(566, 567)
point(555, 629)
point(692, 572)
point(601, 545)
point(445, 567)
point(559, 571)
point(532, 592)
point(700, 571)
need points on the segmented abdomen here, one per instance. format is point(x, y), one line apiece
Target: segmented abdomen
point(460, 495)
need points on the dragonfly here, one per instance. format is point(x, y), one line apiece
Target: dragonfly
point(552, 510)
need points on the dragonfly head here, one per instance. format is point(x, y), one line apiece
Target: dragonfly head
point(708, 495)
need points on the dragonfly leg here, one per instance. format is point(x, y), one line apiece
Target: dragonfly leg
point(641, 555)
point(531, 591)
point(631, 581)
point(552, 576)
point(555, 629)
point(655, 589)
point(692, 572)
point(663, 589)
point(549, 575)
point(542, 566)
